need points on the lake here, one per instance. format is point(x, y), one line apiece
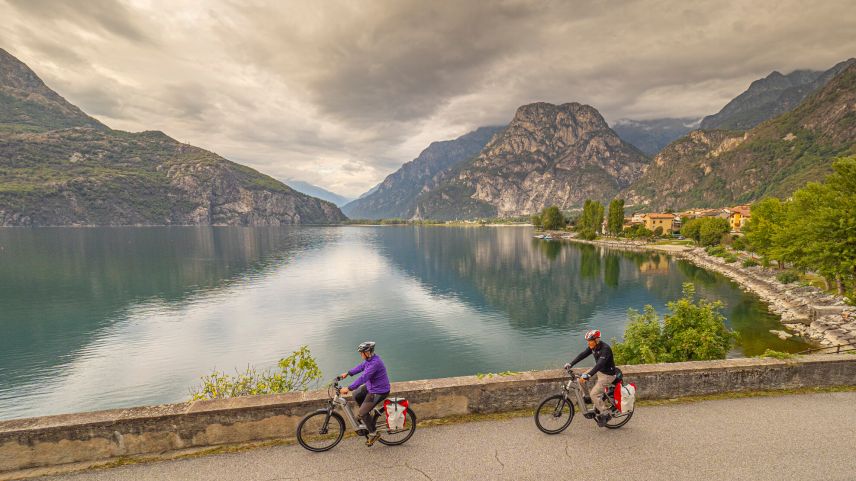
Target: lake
point(96, 318)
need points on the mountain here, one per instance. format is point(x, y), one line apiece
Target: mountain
point(719, 168)
point(395, 197)
point(27, 103)
point(650, 136)
point(319, 192)
point(769, 97)
point(548, 154)
point(58, 166)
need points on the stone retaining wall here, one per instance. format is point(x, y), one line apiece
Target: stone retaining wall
point(100, 436)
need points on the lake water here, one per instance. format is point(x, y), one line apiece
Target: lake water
point(96, 318)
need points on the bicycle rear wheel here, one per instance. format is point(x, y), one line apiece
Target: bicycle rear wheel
point(316, 432)
point(619, 420)
point(395, 438)
point(554, 414)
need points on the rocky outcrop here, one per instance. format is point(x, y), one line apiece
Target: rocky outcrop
point(720, 168)
point(549, 154)
point(770, 97)
point(395, 197)
point(60, 167)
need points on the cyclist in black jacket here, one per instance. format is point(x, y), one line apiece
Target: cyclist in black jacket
point(604, 367)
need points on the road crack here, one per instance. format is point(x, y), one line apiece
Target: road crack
point(496, 456)
point(418, 471)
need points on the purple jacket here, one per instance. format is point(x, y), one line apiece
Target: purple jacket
point(374, 376)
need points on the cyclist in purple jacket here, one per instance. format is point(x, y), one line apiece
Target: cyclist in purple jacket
point(370, 388)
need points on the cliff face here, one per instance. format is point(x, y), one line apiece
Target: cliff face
point(717, 168)
point(771, 96)
point(549, 154)
point(395, 197)
point(59, 166)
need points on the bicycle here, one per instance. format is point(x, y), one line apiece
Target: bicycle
point(324, 428)
point(555, 413)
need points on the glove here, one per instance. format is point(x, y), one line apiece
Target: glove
point(567, 366)
point(585, 376)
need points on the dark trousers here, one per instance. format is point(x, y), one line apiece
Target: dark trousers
point(367, 401)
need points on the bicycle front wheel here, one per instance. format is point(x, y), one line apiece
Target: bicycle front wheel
point(397, 437)
point(554, 414)
point(320, 431)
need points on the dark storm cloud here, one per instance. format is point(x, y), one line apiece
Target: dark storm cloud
point(340, 93)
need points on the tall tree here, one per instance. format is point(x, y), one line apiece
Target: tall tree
point(615, 222)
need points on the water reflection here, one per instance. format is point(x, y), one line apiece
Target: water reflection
point(98, 318)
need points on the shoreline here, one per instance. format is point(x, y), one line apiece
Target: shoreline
point(806, 311)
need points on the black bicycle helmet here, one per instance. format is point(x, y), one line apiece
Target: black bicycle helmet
point(367, 346)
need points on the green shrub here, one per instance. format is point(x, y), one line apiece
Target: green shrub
point(729, 258)
point(777, 354)
point(788, 277)
point(587, 234)
point(750, 263)
point(692, 331)
point(296, 373)
point(738, 243)
point(717, 251)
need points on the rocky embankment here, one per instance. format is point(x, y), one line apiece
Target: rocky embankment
point(804, 310)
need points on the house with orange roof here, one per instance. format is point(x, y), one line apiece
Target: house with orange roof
point(738, 216)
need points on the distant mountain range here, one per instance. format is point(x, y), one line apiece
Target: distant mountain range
point(396, 196)
point(769, 97)
point(711, 168)
point(58, 166)
point(317, 192)
point(650, 136)
point(564, 154)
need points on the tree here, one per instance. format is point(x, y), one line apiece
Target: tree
point(690, 229)
point(711, 230)
point(692, 331)
point(615, 219)
point(768, 216)
point(658, 231)
point(552, 218)
point(598, 217)
point(819, 227)
point(592, 217)
point(705, 231)
point(536, 220)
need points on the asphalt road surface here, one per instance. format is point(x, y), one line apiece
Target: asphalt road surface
point(791, 437)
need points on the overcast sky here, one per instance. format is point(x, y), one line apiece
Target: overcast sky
point(340, 94)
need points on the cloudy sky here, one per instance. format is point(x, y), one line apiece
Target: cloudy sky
point(340, 94)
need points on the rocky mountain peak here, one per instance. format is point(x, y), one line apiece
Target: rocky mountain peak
point(547, 129)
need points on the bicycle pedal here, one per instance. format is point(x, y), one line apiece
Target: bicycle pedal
point(588, 415)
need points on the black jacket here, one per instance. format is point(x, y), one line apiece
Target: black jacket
point(603, 361)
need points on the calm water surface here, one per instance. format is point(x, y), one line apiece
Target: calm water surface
point(112, 317)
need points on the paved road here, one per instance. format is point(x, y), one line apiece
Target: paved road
point(797, 437)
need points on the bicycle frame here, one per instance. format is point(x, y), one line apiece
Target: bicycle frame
point(343, 404)
point(574, 385)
